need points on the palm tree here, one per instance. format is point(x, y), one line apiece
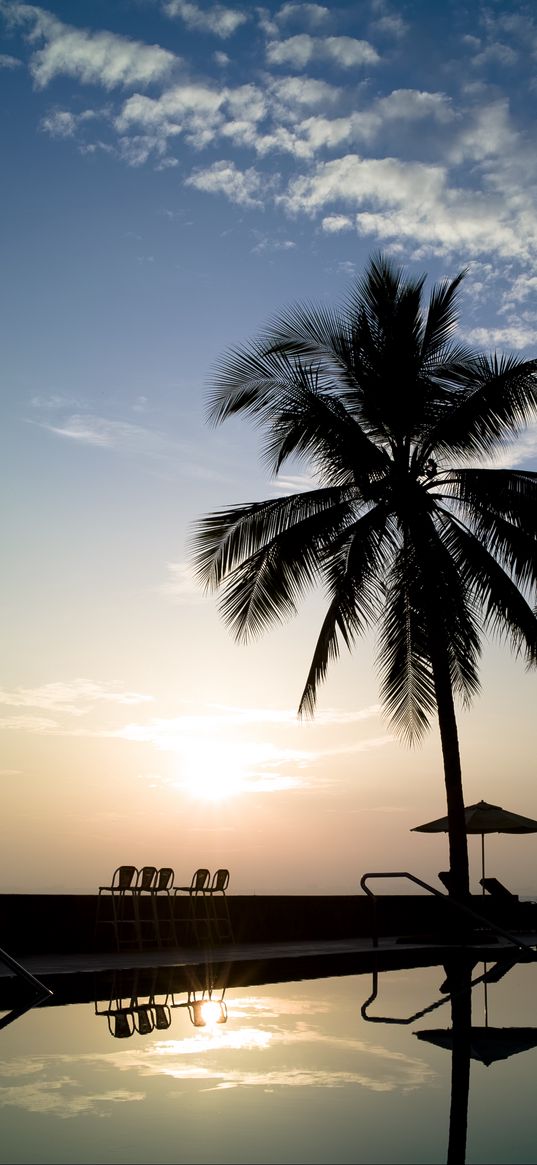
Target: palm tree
point(388, 412)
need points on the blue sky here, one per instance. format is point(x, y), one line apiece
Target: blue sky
point(175, 173)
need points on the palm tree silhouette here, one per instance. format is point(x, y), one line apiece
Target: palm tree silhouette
point(404, 528)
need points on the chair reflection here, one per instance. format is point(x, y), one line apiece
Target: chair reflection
point(141, 1004)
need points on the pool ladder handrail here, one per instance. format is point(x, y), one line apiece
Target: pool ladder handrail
point(22, 972)
point(454, 902)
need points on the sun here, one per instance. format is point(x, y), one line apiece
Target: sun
point(213, 771)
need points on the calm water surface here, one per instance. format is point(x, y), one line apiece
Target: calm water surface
point(287, 1073)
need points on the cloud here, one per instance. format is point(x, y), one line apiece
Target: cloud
point(413, 105)
point(8, 62)
point(310, 14)
point(193, 109)
point(60, 123)
point(300, 91)
point(182, 586)
point(102, 58)
point(243, 187)
point(87, 429)
point(267, 245)
point(345, 51)
point(393, 25)
point(496, 54)
point(335, 223)
point(39, 725)
point(73, 697)
point(221, 21)
point(63, 1097)
point(516, 335)
point(412, 202)
point(515, 454)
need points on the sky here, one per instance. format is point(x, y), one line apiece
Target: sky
point(175, 173)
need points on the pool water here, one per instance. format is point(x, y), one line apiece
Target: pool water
point(286, 1072)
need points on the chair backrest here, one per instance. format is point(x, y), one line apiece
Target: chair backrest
point(146, 878)
point(144, 1020)
point(220, 881)
point(124, 877)
point(121, 1024)
point(165, 878)
point(163, 1016)
point(200, 881)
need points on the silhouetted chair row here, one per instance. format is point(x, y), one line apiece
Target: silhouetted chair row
point(137, 917)
point(135, 914)
point(207, 919)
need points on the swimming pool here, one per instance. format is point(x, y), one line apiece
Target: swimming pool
point(298, 1072)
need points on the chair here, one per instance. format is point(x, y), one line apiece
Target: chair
point(163, 887)
point(206, 1012)
point(144, 885)
point(144, 1020)
point(121, 892)
point(121, 1024)
point(162, 1015)
point(196, 918)
point(220, 922)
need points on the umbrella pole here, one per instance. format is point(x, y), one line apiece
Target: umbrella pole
point(482, 861)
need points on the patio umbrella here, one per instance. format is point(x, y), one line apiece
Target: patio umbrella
point(487, 1044)
point(484, 818)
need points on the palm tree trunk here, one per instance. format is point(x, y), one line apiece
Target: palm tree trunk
point(449, 737)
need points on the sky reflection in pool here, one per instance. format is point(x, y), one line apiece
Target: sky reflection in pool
point(282, 1073)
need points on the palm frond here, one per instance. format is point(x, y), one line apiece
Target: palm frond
point(310, 423)
point(506, 613)
point(225, 538)
point(354, 579)
point(441, 319)
point(407, 685)
point(499, 398)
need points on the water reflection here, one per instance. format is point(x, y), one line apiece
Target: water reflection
point(135, 1008)
point(464, 1040)
point(291, 1062)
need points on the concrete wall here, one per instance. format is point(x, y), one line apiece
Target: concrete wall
point(58, 923)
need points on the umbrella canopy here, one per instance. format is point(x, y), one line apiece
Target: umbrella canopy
point(484, 818)
point(487, 1044)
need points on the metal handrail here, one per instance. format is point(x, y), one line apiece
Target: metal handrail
point(454, 902)
point(24, 974)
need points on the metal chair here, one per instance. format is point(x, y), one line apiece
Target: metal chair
point(196, 918)
point(120, 1024)
point(124, 917)
point(220, 921)
point(163, 888)
point(147, 923)
point(162, 1015)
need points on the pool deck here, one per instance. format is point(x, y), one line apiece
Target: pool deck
point(64, 964)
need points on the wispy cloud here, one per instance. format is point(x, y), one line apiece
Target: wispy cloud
point(73, 697)
point(64, 1098)
point(87, 429)
point(8, 62)
point(181, 587)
